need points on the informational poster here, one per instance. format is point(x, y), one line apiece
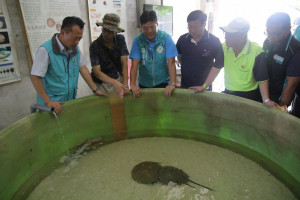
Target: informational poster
point(43, 18)
point(9, 69)
point(97, 10)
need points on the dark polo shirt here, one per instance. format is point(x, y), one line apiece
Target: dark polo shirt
point(198, 58)
point(108, 59)
point(282, 60)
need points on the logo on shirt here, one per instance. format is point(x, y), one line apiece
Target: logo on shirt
point(160, 49)
point(206, 53)
point(278, 59)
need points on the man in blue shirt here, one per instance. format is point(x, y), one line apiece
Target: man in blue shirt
point(198, 51)
point(153, 55)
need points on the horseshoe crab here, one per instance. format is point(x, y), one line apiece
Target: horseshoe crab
point(151, 172)
point(169, 173)
point(146, 172)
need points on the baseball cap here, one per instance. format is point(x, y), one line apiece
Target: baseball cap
point(237, 25)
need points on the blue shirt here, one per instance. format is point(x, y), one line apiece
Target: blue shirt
point(171, 50)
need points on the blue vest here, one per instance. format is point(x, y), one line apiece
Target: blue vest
point(61, 79)
point(153, 70)
point(297, 33)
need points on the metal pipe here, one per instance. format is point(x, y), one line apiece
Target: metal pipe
point(35, 107)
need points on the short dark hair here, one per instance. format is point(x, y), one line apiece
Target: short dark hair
point(197, 15)
point(148, 16)
point(70, 21)
point(280, 18)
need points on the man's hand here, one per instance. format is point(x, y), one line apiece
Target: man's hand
point(271, 104)
point(197, 89)
point(168, 90)
point(56, 105)
point(100, 93)
point(119, 88)
point(135, 91)
point(125, 90)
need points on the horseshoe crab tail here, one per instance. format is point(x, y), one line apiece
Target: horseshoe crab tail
point(190, 185)
point(201, 185)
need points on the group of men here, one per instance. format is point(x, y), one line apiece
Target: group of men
point(270, 75)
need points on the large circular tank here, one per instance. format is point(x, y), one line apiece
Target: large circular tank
point(32, 146)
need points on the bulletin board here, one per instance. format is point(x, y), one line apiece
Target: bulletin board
point(9, 68)
point(41, 19)
point(98, 8)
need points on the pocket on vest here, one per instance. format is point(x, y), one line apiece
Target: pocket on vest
point(57, 91)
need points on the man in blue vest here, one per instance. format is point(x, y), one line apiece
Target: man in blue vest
point(153, 55)
point(57, 64)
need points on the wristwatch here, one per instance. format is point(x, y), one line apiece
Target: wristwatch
point(172, 84)
point(266, 100)
point(95, 90)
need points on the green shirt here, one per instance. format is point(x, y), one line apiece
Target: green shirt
point(239, 70)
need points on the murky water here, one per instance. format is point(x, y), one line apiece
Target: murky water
point(106, 174)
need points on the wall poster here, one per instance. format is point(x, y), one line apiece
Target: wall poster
point(43, 18)
point(9, 69)
point(97, 10)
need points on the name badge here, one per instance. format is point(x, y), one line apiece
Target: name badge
point(278, 59)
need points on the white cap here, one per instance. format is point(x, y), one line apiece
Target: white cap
point(237, 25)
point(297, 21)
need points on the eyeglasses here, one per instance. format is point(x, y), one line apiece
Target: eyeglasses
point(274, 35)
point(196, 28)
point(151, 28)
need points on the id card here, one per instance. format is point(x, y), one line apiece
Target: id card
point(278, 59)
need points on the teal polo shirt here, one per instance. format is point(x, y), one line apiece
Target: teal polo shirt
point(239, 70)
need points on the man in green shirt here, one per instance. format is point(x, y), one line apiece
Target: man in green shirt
point(240, 57)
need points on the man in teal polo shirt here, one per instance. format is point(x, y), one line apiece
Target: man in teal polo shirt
point(57, 64)
point(240, 57)
point(153, 55)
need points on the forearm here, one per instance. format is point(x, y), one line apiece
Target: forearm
point(40, 89)
point(264, 90)
point(101, 76)
point(287, 95)
point(124, 62)
point(172, 69)
point(85, 73)
point(213, 73)
point(133, 71)
point(288, 92)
